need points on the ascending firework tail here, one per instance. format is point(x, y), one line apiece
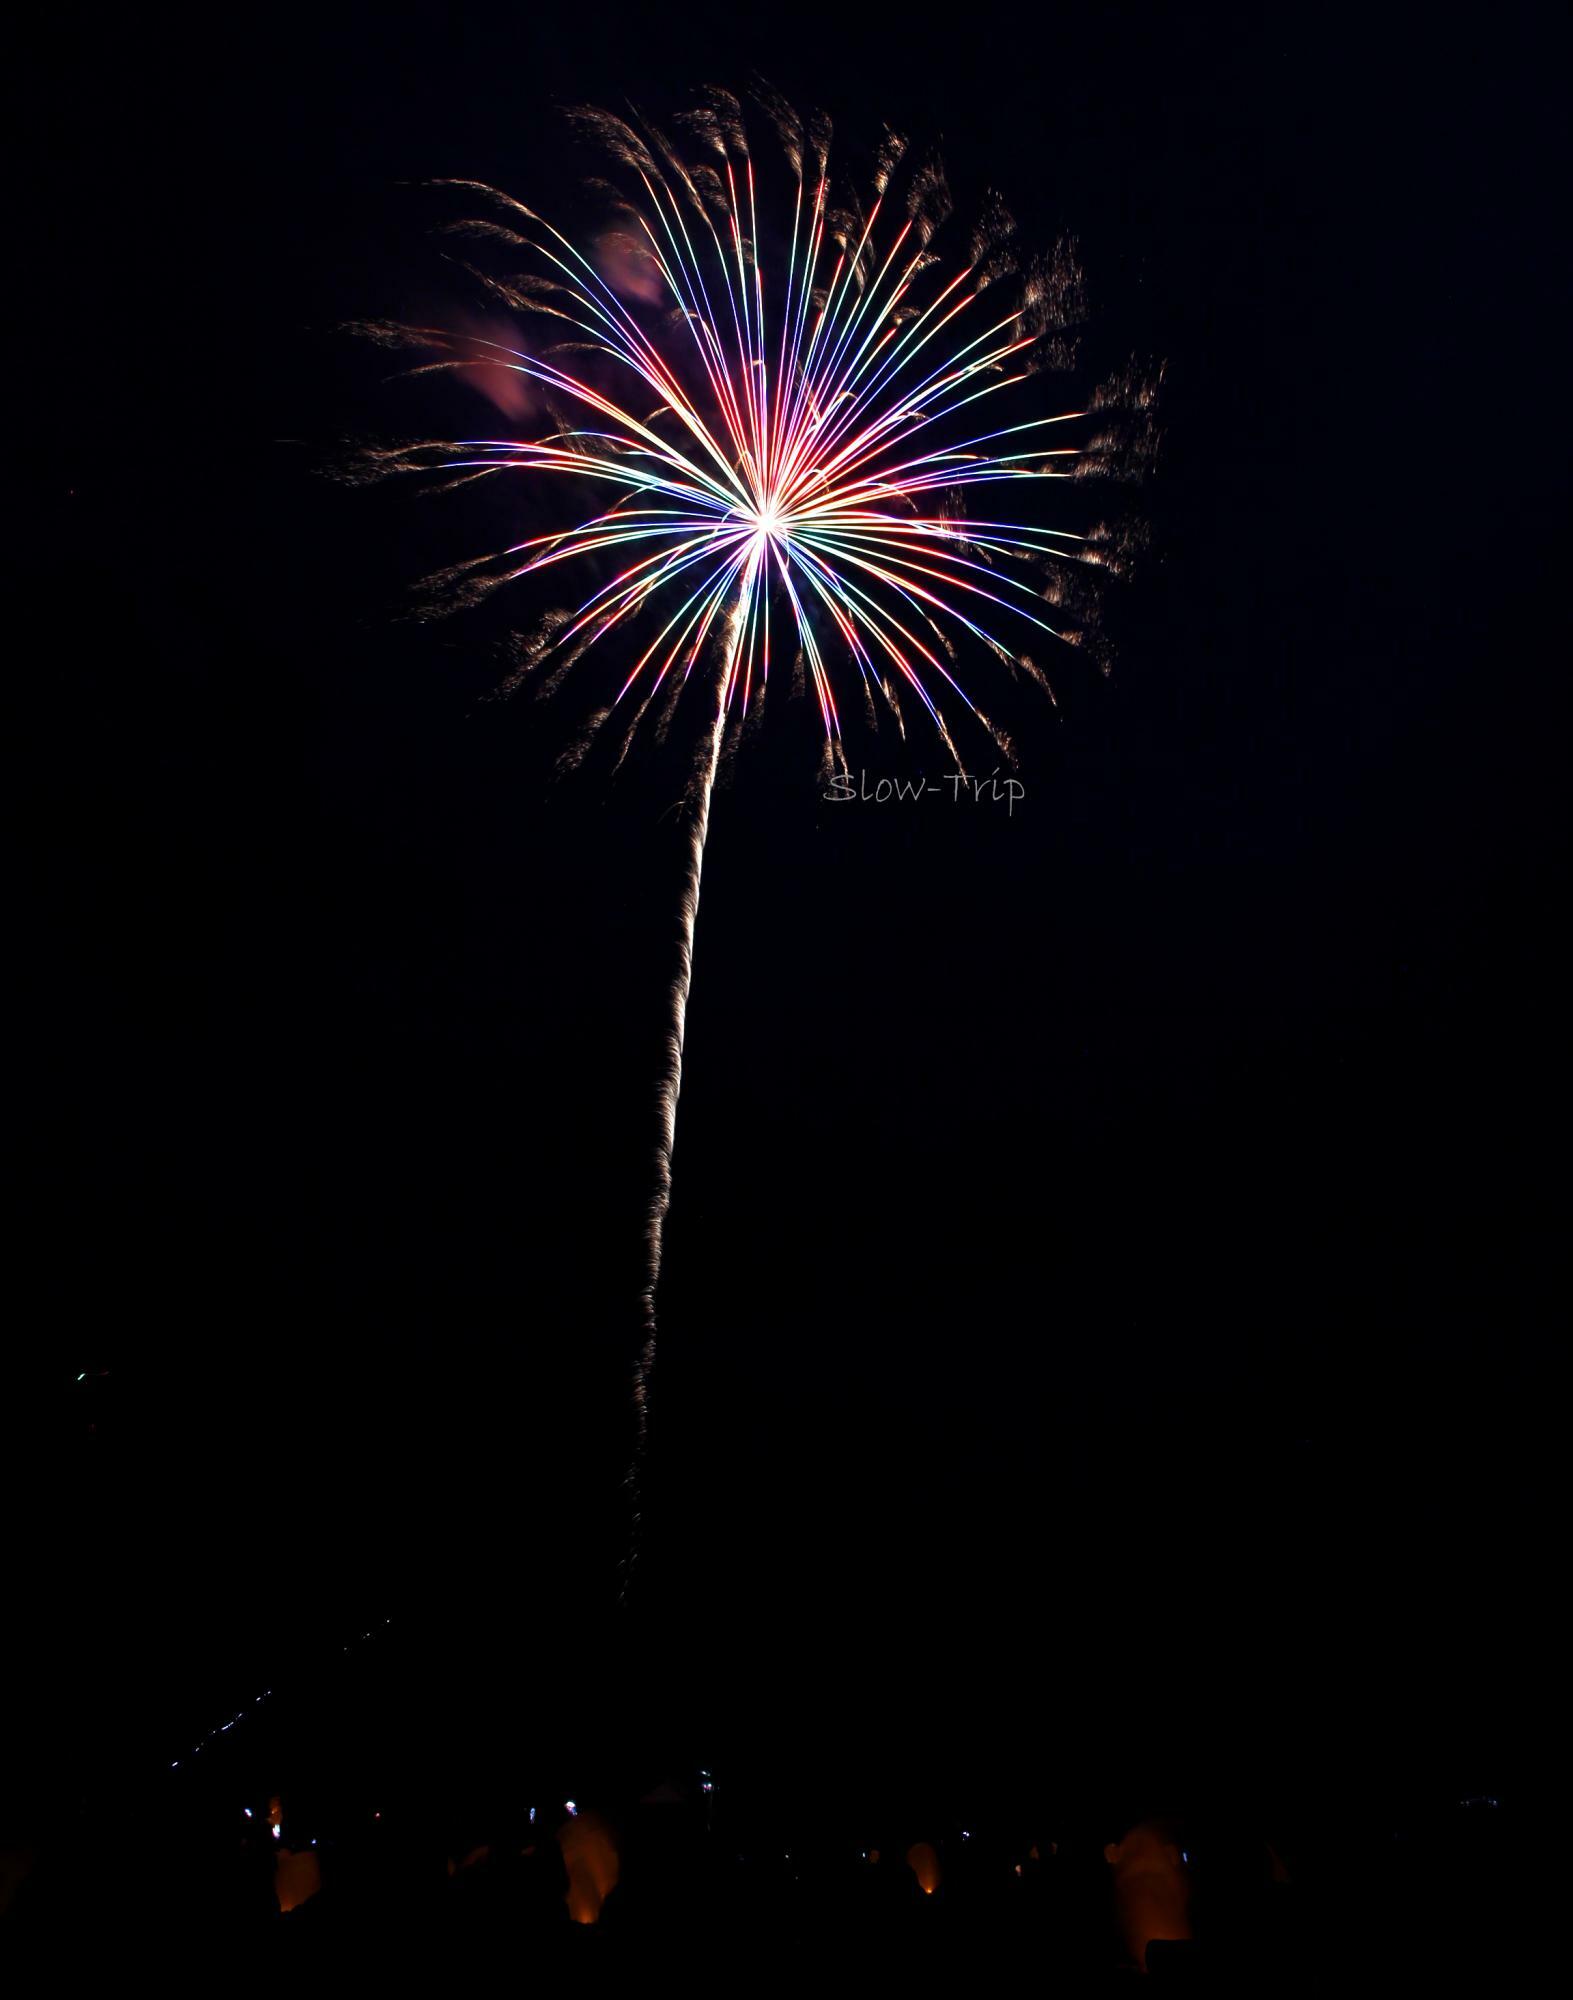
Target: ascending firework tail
point(671, 1084)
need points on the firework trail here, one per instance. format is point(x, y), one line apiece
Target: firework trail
point(672, 1081)
point(787, 424)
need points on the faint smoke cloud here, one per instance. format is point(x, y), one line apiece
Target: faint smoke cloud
point(628, 267)
point(486, 347)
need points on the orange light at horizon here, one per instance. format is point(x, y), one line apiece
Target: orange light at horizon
point(924, 1863)
point(590, 1857)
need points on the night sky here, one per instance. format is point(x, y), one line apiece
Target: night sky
point(1109, 1294)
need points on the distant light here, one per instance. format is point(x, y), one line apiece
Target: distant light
point(965, 1835)
point(247, 1811)
point(573, 1810)
point(275, 1833)
point(83, 1376)
point(532, 1815)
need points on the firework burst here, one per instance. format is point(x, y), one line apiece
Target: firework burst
point(788, 403)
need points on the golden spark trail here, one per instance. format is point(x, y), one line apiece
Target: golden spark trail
point(671, 1085)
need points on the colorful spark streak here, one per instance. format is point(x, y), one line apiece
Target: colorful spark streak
point(787, 424)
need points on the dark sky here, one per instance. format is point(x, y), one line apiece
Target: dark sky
point(1110, 1274)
